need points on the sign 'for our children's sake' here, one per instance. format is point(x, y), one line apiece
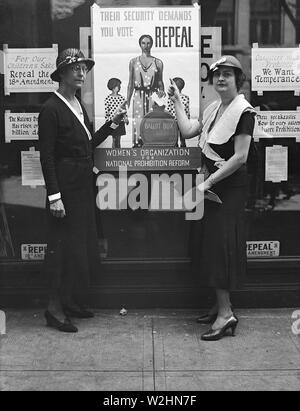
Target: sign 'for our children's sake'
point(275, 69)
point(28, 70)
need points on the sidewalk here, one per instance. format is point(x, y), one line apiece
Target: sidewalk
point(150, 350)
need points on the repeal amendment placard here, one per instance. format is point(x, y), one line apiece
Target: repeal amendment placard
point(28, 70)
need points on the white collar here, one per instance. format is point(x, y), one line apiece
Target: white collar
point(225, 127)
point(81, 119)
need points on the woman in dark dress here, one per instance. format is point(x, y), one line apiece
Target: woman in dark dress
point(66, 147)
point(219, 246)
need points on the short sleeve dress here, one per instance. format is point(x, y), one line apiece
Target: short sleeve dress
point(111, 104)
point(218, 241)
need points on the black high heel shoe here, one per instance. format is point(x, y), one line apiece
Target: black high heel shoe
point(53, 322)
point(207, 319)
point(77, 312)
point(215, 335)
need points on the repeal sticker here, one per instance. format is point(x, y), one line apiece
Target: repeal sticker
point(33, 251)
point(263, 249)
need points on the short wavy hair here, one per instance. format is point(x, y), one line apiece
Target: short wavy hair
point(149, 37)
point(113, 82)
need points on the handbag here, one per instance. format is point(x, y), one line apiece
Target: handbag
point(203, 168)
point(209, 194)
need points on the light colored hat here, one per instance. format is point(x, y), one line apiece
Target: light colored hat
point(67, 57)
point(228, 61)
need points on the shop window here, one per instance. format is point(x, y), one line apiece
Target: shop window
point(225, 18)
point(265, 21)
point(276, 206)
point(273, 209)
point(298, 21)
point(32, 24)
point(220, 13)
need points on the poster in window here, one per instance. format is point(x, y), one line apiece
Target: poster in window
point(27, 70)
point(21, 126)
point(31, 169)
point(277, 124)
point(137, 50)
point(275, 69)
point(277, 164)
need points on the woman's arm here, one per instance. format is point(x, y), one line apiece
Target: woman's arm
point(109, 126)
point(48, 130)
point(101, 134)
point(130, 83)
point(241, 149)
point(187, 127)
point(161, 87)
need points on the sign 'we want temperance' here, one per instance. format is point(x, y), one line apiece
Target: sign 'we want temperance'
point(276, 69)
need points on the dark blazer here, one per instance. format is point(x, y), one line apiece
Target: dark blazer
point(62, 135)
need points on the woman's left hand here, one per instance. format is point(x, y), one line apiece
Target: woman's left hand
point(220, 164)
point(206, 185)
point(194, 196)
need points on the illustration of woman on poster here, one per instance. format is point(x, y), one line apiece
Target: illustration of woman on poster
point(145, 78)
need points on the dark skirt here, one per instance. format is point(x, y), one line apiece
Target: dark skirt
point(218, 241)
point(72, 253)
point(119, 131)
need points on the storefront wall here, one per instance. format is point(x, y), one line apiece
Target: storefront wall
point(145, 255)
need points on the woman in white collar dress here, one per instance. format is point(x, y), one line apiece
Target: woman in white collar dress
point(219, 244)
point(66, 147)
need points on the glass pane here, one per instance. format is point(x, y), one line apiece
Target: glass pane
point(273, 209)
point(22, 215)
point(265, 22)
point(225, 18)
point(298, 20)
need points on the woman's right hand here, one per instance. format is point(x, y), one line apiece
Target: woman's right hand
point(173, 91)
point(57, 209)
